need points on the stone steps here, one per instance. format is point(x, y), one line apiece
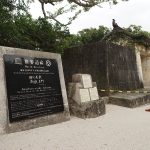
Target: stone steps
point(130, 100)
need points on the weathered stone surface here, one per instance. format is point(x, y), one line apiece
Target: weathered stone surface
point(93, 93)
point(110, 66)
point(90, 109)
point(106, 99)
point(81, 96)
point(82, 89)
point(85, 79)
point(72, 88)
point(77, 93)
point(130, 100)
point(84, 95)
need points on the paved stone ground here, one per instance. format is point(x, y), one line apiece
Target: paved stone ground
point(120, 128)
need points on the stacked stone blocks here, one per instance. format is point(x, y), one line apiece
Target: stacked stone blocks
point(82, 89)
point(84, 101)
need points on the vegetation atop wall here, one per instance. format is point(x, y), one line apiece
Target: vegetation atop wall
point(20, 30)
point(128, 36)
point(87, 36)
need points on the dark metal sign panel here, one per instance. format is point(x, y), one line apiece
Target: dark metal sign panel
point(33, 87)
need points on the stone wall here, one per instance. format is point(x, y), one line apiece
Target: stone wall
point(88, 59)
point(143, 63)
point(111, 66)
point(123, 73)
point(145, 60)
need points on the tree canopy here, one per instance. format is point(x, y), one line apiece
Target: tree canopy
point(76, 6)
point(137, 30)
point(86, 36)
point(20, 30)
point(8, 11)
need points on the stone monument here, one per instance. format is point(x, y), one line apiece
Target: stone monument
point(84, 101)
point(32, 88)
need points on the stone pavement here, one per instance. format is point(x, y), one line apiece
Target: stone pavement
point(120, 128)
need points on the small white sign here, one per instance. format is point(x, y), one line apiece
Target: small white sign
point(84, 95)
point(86, 81)
point(93, 93)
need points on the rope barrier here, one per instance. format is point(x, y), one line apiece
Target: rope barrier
point(120, 91)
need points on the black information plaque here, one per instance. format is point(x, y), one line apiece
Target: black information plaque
point(33, 87)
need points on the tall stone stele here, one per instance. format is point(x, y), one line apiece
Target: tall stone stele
point(84, 101)
point(32, 88)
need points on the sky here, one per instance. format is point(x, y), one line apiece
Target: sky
point(135, 12)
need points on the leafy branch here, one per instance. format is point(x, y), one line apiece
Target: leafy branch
point(84, 5)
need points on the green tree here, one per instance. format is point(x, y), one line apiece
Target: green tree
point(8, 10)
point(76, 6)
point(87, 36)
point(36, 34)
point(18, 29)
point(93, 35)
point(137, 30)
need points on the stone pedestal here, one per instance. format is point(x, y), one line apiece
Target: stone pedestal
point(91, 109)
point(84, 101)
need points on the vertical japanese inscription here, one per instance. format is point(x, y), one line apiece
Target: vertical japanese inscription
point(33, 87)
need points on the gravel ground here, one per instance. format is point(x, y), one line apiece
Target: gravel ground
point(119, 129)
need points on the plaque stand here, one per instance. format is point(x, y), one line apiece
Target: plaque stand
point(84, 101)
point(32, 87)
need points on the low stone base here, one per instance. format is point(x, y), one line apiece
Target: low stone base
point(130, 100)
point(90, 109)
point(106, 99)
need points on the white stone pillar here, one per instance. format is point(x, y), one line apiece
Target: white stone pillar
point(139, 66)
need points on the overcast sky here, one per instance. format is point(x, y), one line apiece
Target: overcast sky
point(135, 12)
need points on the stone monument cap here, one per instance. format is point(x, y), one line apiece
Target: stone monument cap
point(85, 79)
